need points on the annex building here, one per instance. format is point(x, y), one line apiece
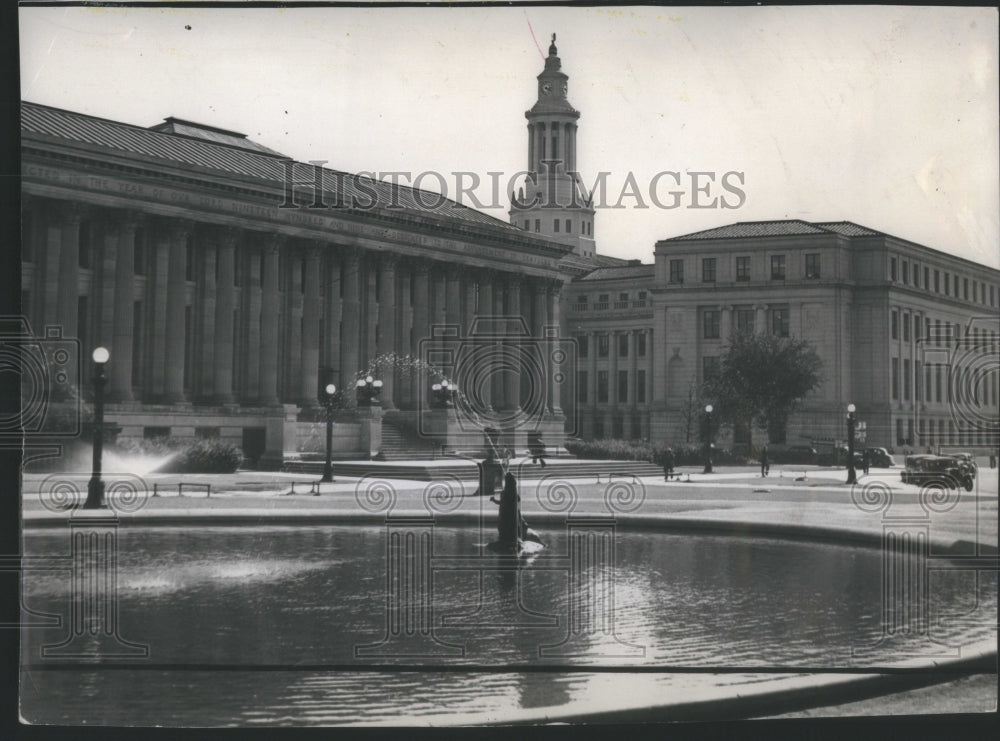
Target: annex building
point(228, 300)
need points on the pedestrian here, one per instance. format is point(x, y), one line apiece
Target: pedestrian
point(765, 467)
point(510, 526)
point(668, 464)
point(866, 461)
point(537, 449)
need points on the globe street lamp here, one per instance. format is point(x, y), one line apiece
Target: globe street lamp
point(852, 477)
point(95, 487)
point(443, 393)
point(708, 439)
point(328, 468)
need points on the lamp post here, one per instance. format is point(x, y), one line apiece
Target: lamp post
point(328, 467)
point(95, 487)
point(708, 439)
point(852, 477)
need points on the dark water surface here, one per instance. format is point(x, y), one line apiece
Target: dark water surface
point(253, 604)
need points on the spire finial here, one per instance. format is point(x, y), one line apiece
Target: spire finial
point(552, 46)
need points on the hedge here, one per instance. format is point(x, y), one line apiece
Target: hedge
point(642, 450)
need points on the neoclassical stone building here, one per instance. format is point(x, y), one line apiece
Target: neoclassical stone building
point(227, 302)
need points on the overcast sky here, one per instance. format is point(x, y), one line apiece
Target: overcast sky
point(885, 116)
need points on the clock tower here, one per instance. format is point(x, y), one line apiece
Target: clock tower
point(553, 201)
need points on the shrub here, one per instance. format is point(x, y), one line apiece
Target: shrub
point(205, 456)
point(643, 450)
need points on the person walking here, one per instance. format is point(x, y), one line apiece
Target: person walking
point(765, 467)
point(537, 449)
point(866, 461)
point(668, 464)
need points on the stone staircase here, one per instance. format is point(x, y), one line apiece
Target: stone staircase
point(399, 444)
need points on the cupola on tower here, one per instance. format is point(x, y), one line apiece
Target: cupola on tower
point(553, 201)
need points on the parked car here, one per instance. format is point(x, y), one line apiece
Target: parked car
point(880, 458)
point(942, 470)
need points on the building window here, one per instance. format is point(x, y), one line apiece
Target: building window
point(642, 295)
point(527, 224)
point(602, 299)
point(906, 327)
point(555, 225)
point(622, 386)
point(708, 270)
point(623, 346)
point(538, 225)
point(892, 268)
point(623, 297)
point(906, 272)
point(927, 382)
point(916, 328)
point(676, 271)
point(956, 286)
point(711, 324)
point(581, 300)
point(992, 296)
point(640, 345)
point(812, 266)
point(153, 433)
point(602, 346)
point(581, 386)
point(947, 284)
point(927, 277)
point(895, 379)
point(779, 322)
point(777, 267)
point(640, 386)
point(709, 367)
point(568, 230)
point(899, 433)
point(206, 433)
point(894, 324)
point(602, 387)
point(917, 382)
point(742, 268)
point(965, 288)
point(582, 345)
point(937, 282)
point(916, 275)
point(744, 320)
point(906, 379)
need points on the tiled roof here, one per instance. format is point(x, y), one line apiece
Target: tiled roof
point(607, 261)
point(754, 229)
point(233, 159)
point(848, 228)
point(628, 271)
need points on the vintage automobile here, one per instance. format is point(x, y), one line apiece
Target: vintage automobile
point(880, 458)
point(940, 470)
point(969, 460)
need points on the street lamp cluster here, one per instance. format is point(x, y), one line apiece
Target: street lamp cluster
point(444, 393)
point(367, 390)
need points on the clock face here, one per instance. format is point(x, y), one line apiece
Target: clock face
point(547, 88)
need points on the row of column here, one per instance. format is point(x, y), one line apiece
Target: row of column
point(542, 146)
point(342, 308)
point(612, 366)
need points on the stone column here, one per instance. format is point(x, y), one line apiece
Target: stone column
point(120, 369)
point(726, 324)
point(370, 318)
point(51, 215)
point(208, 292)
point(290, 387)
point(612, 382)
point(404, 394)
point(310, 329)
point(332, 317)
point(497, 393)
point(268, 394)
point(176, 301)
point(469, 312)
point(553, 297)
point(67, 300)
point(156, 289)
point(103, 285)
point(760, 318)
point(250, 346)
point(421, 320)
point(512, 380)
point(649, 383)
point(439, 318)
point(542, 386)
point(225, 306)
point(351, 320)
point(633, 366)
point(484, 392)
point(387, 327)
point(592, 378)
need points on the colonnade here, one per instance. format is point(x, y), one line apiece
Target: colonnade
point(196, 313)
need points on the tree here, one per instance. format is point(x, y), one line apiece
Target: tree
point(761, 378)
